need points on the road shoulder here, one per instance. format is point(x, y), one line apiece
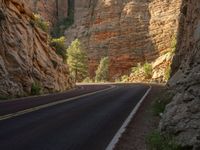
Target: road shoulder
point(141, 125)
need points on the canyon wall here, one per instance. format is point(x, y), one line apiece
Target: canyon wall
point(182, 115)
point(25, 56)
point(51, 10)
point(128, 31)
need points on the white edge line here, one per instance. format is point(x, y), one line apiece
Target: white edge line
point(12, 115)
point(119, 133)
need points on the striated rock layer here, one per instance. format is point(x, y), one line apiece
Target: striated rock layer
point(182, 115)
point(25, 56)
point(128, 31)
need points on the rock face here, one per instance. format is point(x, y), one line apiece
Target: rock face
point(128, 31)
point(50, 10)
point(182, 115)
point(25, 56)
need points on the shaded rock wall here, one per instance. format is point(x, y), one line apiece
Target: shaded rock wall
point(182, 115)
point(25, 56)
point(50, 10)
point(128, 31)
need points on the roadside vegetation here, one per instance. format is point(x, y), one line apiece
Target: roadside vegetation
point(160, 102)
point(102, 72)
point(36, 89)
point(161, 141)
point(77, 61)
point(155, 139)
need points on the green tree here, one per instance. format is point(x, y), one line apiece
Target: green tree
point(77, 61)
point(102, 72)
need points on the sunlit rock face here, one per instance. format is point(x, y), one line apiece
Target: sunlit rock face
point(182, 115)
point(25, 56)
point(128, 31)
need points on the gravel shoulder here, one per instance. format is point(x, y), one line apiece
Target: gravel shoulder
point(141, 125)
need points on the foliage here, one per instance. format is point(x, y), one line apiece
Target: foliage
point(145, 69)
point(41, 23)
point(160, 102)
point(102, 72)
point(36, 89)
point(167, 72)
point(173, 44)
point(148, 71)
point(124, 78)
point(158, 141)
point(59, 45)
point(77, 61)
point(87, 80)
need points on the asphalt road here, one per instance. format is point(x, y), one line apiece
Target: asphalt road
point(88, 123)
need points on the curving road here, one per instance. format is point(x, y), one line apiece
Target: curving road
point(87, 123)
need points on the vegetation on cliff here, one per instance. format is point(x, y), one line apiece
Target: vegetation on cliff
point(60, 47)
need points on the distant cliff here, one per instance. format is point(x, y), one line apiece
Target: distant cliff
point(25, 56)
point(128, 32)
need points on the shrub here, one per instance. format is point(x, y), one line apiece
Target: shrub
point(158, 141)
point(124, 78)
point(145, 69)
point(173, 44)
point(160, 102)
point(36, 89)
point(167, 72)
point(41, 23)
point(59, 45)
point(87, 80)
point(148, 71)
point(102, 72)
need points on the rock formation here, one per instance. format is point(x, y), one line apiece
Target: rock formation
point(51, 10)
point(182, 115)
point(25, 56)
point(128, 31)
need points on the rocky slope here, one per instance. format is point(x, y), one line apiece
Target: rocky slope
point(182, 115)
point(25, 56)
point(128, 31)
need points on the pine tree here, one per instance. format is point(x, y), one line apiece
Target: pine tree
point(102, 73)
point(77, 61)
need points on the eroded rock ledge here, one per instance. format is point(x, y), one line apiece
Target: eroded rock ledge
point(25, 56)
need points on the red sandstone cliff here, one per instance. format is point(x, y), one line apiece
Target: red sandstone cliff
point(127, 31)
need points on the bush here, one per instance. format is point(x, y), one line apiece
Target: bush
point(36, 89)
point(87, 80)
point(158, 141)
point(145, 70)
point(124, 78)
point(167, 72)
point(59, 45)
point(160, 103)
point(148, 71)
point(173, 45)
point(41, 23)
